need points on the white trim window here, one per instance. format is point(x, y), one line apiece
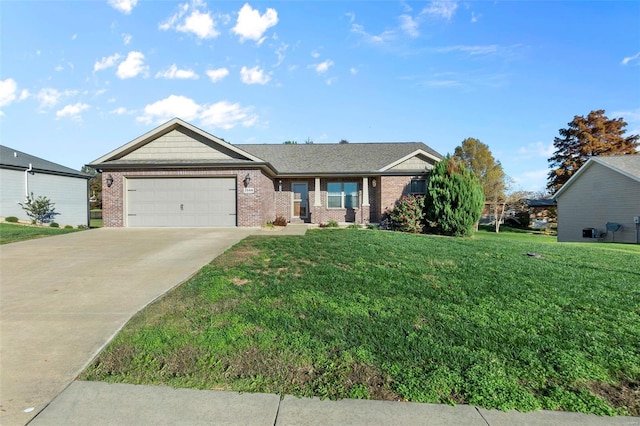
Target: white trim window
point(418, 186)
point(342, 195)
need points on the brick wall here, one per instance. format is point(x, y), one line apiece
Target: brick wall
point(253, 209)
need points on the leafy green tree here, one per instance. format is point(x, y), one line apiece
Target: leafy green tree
point(454, 198)
point(40, 210)
point(290, 143)
point(342, 141)
point(95, 187)
point(477, 157)
point(587, 137)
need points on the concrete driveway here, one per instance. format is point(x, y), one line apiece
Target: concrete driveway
point(63, 298)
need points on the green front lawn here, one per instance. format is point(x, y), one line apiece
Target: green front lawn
point(11, 232)
point(368, 314)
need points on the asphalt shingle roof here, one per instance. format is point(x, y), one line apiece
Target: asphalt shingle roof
point(334, 158)
point(14, 159)
point(629, 164)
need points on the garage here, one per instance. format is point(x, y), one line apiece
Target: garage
point(181, 202)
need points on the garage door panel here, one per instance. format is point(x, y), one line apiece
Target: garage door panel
point(181, 202)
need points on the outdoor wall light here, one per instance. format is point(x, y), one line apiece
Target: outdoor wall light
point(246, 180)
point(109, 181)
point(374, 183)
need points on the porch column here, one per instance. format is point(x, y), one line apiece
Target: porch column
point(365, 191)
point(317, 199)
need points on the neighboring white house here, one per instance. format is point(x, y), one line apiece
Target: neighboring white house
point(601, 202)
point(22, 174)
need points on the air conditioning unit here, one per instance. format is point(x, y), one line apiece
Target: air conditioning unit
point(636, 219)
point(589, 233)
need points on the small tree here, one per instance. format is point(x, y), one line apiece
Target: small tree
point(40, 209)
point(290, 142)
point(454, 199)
point(408, 214)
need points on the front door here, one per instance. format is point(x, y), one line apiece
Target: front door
point(300, 200)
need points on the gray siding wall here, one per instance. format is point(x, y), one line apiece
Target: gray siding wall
point(69, 195)
point(598, 196)
point(177, 145)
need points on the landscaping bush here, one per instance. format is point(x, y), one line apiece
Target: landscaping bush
point(353, 226)
point(54, 225)
point(454, 199)
point(408, 214)
point(11, 219)
point(280, 221)
point(68, 227)
point(332, 224)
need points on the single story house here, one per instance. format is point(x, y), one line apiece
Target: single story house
point(601, 201)
point(178, 175)
point(542, 212)
point(22, 174)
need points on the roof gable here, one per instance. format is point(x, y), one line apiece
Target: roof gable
point(627, 165)
point(13, 159)
point(176, 141)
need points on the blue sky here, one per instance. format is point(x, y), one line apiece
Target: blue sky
point(81, 78)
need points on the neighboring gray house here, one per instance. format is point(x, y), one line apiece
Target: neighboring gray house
point(605, 190)
point(22, 174)
point(179, 175)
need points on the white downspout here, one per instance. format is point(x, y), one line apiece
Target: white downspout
point(26, 182)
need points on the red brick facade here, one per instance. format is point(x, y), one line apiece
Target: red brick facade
point(270, 197)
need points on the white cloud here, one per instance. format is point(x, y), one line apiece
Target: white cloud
point(251, 25)
point(8, 89)
point(409, 25)
point(132, 66)
point(198, 21)
point(217, 74)
point(226, 115)
point(124, 6)
point(72, 111)
point(535, 180)
point(126, 38)
point(59, 68)
point(24, 94)
point(75, 36)
point(634, 60)
point(474, 17)
point(121, 111)
point(221, 114)
point(372, 38)
point(254, 75)
point(174, 73)
point(353, 71)
point(106, 62)
point(323, 67)
point(168, 108)
point(441, 9)
point(472, 50)
point(280, 51)
point(535, 150)
point(315, 54)
point(49, 97)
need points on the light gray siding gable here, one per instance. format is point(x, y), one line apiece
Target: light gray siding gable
point(598, 196)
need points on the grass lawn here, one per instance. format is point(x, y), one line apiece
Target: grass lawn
point(11, 233)
point(381, 315)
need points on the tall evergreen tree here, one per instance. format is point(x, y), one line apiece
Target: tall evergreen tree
point(454, 198)
point(587, 137)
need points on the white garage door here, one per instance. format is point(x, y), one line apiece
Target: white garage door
point(181, 202)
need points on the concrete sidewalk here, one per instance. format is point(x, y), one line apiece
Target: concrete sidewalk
point(97, 403)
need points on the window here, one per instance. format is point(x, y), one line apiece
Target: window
point(342, 195)
point(418, 186)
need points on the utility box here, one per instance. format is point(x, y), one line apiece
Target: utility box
point(636, 219)
point(589, 233)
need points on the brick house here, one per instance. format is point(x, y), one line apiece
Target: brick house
point(179, 175)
